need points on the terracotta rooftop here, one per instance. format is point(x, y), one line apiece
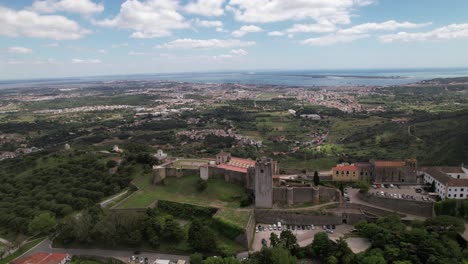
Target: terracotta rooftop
point(232, 168)
point(42, 258)
point(345, 168)
point(238, 164)
point(383, 163)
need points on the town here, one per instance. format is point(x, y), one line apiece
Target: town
point(224, 170)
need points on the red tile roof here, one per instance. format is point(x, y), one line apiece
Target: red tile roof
point(345, 168)
point(383, 163)
point(42, 258)
point(232, 168)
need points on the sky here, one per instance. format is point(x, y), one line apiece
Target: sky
point(66, 38)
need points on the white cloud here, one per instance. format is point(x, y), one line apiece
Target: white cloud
point(389, 25)
point(86, 61)
point(276, 33)
point(19, 50)
point(148, 18)
point(263, 11)
point(333, 39)
point(239, 52)
point(234, 53)
point(206, 43)
point(72, 6)
point(103, 51)
point(208, 23)
point(246, 29)
point(205, 7)
point(323, 27)
point(453, 31)
point(30, 24)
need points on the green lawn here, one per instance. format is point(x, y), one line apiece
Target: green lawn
point(236, 217)
point(20, 251)
point(218, 193)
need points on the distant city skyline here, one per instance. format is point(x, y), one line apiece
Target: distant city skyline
point(64, 38)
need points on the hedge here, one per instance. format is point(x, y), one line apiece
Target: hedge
point(186, 211)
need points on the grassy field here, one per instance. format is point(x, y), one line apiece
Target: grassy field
point(218, 193)
point(236, 217)
point(188, 163)
point(22, 250)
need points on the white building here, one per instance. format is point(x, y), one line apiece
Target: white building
point(450, 182)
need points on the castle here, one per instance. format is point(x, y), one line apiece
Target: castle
point(261, 177)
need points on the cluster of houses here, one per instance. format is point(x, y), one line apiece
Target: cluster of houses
point(450, 182)
point(202, 133)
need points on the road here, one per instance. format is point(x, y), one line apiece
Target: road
point(106, 202)
point(45, 246)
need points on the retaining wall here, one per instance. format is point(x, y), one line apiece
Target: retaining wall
point(419, 208)
point(295, 217)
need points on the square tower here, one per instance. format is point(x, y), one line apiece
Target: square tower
point(264, 183)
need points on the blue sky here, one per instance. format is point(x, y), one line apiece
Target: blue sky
point(61, 38)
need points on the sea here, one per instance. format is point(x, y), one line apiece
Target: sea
point(303, 78)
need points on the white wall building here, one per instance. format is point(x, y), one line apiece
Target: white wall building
point(450, 182)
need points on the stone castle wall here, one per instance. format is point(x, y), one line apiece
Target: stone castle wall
point(419, 208)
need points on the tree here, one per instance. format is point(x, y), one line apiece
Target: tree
point(274, 240)
point(321, 245)
point(272, 255)
point(111, 164)
point(433, 187)
point(446, 225)
point(196, 258)
point(42, 224)
point(200, 237)
point(289, 241)
point(172, 230)
point(316, 178)
point(202, 185)
point(342, 252)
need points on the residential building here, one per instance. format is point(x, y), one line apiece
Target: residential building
point(345, 173)
point(450, 182)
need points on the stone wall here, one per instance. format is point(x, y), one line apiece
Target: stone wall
point(284, 196)
point(295, 217)
point(419, 208)
point(247, 237)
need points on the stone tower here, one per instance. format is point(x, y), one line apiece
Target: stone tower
point(264, 183)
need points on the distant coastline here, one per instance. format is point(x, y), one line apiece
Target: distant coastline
point(298, 78)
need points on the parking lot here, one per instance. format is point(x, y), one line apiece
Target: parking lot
point(400, 192)
point(304, 237)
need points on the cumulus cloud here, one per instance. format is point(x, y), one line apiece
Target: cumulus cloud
point(333, 39)
point(86, 61)
point(147, 19)
point(208, 23)
point(246, 29)
point(205, 7)
point(324, 27)
point(72, 6)
point(389, 25)
point(188, 43)
point(453, 31)
point(239, 52)
point(264, 11)
point(235, 53)
point(19, 50)
point(360, 31)
point(276, 33)
point(26, 23)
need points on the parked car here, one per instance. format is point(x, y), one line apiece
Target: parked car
point(392, 186)
point(312, 226)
